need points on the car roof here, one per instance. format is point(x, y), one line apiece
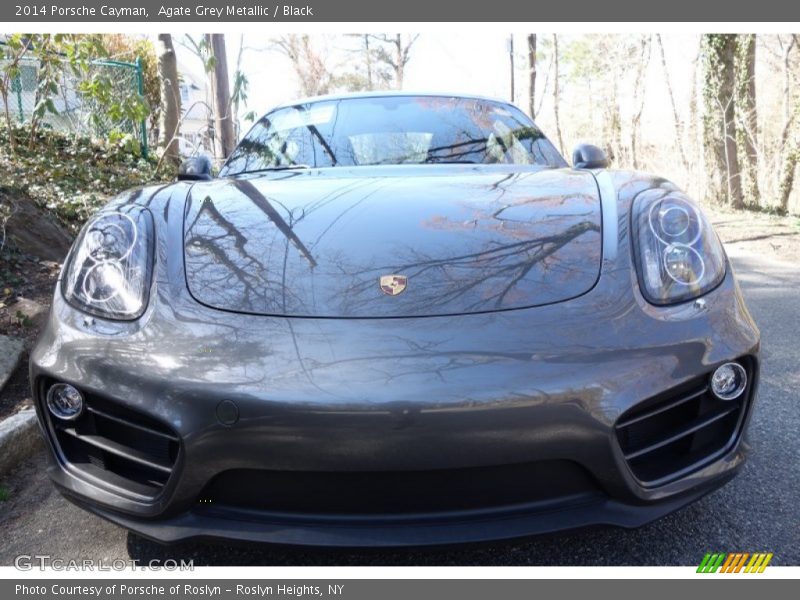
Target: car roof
point(384, 94)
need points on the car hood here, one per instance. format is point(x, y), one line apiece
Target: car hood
point(445, 240)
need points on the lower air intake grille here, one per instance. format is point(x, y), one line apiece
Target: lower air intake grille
point(121, 448)
point(399, 492)
point(672, 434)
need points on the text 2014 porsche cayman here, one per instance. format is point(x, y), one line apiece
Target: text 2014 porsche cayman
point(395, 320)
point(58, 11)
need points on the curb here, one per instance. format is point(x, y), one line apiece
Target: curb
point(19, 438)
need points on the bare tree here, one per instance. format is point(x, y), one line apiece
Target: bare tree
point(366, 72)
point(239, 91)
point(220, 88)
point(675, 118)
point(723, 178)
point(639, 96)
point(789, 106)
point(787, 175)
point(790, 137)
point(746, 110)
point(788, 114)
point(556, 91)
point(693, 128)
point(394, 50)
point(170, 114)
point(546, 83)
point(532, 74)
point(368, 60)
point(308, 63)
point(366, 54)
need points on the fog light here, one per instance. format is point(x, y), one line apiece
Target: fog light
point(64, 401)
point(728, 381)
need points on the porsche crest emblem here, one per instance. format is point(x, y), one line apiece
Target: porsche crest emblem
point(392, 285)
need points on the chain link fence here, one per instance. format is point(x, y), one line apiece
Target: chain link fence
point(76, 112)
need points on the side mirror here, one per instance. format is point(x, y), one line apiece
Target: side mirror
point(195, 168)
point(586, 156)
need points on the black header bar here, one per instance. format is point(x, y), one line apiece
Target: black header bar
point(220, 11)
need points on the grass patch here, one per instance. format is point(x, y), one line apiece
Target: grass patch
point(3, 494)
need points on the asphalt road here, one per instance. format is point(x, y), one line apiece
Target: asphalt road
point(758, 511)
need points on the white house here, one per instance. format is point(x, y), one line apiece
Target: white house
point(197, 126)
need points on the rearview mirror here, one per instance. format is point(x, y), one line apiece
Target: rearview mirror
point(587, 156)
point(195, 168)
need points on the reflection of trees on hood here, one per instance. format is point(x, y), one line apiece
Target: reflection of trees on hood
point(243, 252)
point(489, 276)
point(212, 234)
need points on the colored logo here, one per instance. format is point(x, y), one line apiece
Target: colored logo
point(393, 284)
point(735, 562)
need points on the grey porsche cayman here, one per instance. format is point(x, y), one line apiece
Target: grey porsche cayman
point(395, 320)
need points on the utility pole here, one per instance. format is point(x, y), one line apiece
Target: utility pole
point(511, 57)
point(223, 120)
point(532, 74)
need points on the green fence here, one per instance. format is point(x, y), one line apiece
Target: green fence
point(75, 112)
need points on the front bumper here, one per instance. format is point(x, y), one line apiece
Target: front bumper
point(414, 531)
point(426, 401)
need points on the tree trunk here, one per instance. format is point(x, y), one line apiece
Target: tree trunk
point(511, 61)
point(220, 88)
point(400, 65)
point(556, 92)
point(613, 124)
point(547, 75)
point(747, 126)
point(788, 113)
point(693, 128)
point(368, 60)
point(639, 97)
point(788, 168)
point(532, 74)
point(675, 118)
point(723, 181)
point(170, 114)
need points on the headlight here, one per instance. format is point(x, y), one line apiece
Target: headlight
point(678, 255)
point(111, 266)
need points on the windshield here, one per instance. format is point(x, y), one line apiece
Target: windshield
point(392, 130)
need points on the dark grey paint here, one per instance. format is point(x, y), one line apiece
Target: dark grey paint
point(396, 394)
point(469, 239)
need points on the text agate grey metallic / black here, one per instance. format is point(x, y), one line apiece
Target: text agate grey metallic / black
point(522, 383)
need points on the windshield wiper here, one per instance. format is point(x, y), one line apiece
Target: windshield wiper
point(280, 168)
point(437, 161)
